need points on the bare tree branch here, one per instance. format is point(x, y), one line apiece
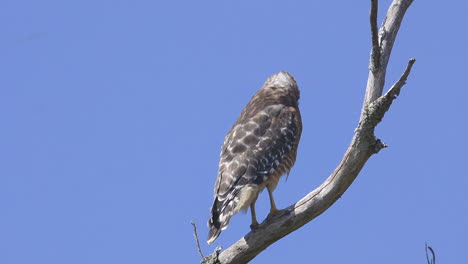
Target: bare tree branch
point(394, 91)
point(363, 145)
point(375, 53)
point(197, 241)
point(387, 36)
point(431, 260)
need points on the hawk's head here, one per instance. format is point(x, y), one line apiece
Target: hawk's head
point(281, 86)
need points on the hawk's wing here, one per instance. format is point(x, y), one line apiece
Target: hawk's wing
point(252, 151)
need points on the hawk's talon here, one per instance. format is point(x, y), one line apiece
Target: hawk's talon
point(274, 213)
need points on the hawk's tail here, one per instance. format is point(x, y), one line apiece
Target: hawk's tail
point(221, 214)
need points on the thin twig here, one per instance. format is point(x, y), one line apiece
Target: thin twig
point(395, 89)
point(375, 53)
point(377, 109)
point(432, 261)
point(427, 255)
point(196, 239)
point(433, 255)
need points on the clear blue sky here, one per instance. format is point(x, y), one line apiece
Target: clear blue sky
point(113, 113)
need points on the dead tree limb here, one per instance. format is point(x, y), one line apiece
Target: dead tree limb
point(363, 145)
point(386, 38)
point(433, 257)
point(197, 241)
point(375, 53)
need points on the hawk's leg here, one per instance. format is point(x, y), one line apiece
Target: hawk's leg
point(273, 210)
point(254, 216)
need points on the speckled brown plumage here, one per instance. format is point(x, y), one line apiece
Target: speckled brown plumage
point(257, 151)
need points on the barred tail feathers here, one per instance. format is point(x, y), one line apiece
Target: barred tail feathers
point(221, 214)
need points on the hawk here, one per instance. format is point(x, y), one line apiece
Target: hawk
point(257, 151)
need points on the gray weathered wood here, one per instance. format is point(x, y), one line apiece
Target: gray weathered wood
point(387, 35)
point(362, 147)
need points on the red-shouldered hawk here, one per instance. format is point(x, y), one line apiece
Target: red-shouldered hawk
point(257, 151)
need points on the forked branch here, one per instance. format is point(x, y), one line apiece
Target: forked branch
point(363, 145)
